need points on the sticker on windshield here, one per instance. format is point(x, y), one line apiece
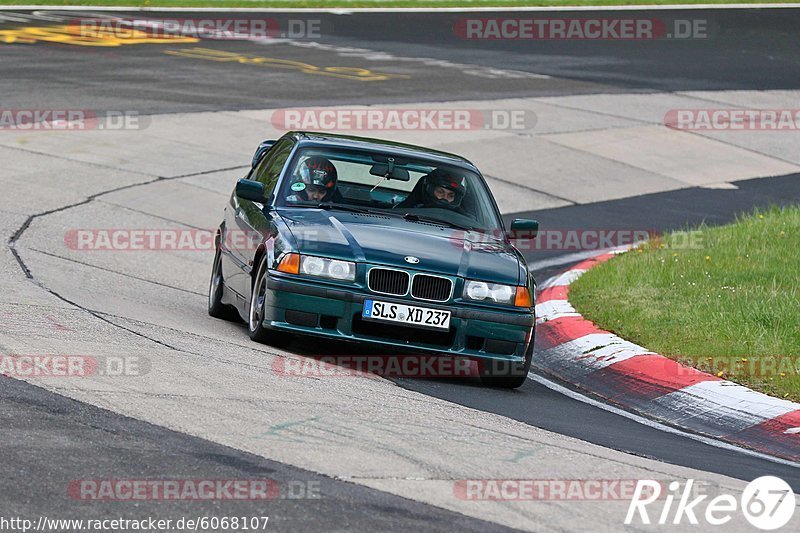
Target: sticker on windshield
point(299, 186)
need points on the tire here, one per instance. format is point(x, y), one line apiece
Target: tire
point(216, 308)
point(507, 375)
point(255, 316)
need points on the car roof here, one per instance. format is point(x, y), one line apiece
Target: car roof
point(311, 138)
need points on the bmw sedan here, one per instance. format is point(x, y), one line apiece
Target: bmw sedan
point(375, 242)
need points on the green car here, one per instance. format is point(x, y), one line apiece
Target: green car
point(376, 242)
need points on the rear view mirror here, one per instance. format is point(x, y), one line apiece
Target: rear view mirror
point(523, 228)
point(250, 190)
point(382, 170)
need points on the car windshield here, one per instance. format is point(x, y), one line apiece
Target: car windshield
point(419, 190)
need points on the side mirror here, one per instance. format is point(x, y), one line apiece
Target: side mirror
point(523, 228)
point(250, 190)
point(262, 149)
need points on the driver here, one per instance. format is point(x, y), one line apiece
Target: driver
point(315, 181)
point(444, 189)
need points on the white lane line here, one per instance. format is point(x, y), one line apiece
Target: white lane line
point(656, 425)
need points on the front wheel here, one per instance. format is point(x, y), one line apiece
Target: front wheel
point(258, 304)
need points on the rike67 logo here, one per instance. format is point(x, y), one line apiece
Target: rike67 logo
point(767, 503)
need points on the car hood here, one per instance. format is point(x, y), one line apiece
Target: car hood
point(388, 240)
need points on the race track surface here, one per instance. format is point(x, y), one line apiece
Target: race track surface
point(359, 453)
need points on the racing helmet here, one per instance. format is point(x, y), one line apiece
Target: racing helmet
point(447, 180)
point(318, 172)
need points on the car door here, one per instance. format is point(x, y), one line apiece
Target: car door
point(247, 221)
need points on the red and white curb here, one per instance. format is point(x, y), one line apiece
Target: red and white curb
point(574, 350)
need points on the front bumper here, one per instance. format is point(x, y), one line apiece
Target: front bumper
point(313, 309)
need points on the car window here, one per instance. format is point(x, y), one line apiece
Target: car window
point(357, 179)
point(268, 171)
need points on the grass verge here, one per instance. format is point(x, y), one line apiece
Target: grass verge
point(368, 3)
point(724, 299)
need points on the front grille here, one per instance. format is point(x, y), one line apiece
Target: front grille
point(432, 288)
point(386, 281)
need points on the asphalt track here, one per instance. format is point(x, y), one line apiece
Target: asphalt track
point(754, 49)
point(49, 440)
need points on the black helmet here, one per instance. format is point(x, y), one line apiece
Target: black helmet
point(447, 180)
point(317, 171)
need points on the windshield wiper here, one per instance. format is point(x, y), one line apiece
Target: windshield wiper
point(422, 218)
point(341, 207)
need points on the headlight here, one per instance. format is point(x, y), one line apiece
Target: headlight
point(480, 291)
point(327, 268)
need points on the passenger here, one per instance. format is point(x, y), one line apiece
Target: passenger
point(444, 190)
point(440, 188)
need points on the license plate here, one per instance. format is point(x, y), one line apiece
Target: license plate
point(406, 315)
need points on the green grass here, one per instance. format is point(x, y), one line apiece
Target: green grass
point(723, 299)
point(368, 3)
